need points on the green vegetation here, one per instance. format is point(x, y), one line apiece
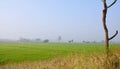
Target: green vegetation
point(27, 52)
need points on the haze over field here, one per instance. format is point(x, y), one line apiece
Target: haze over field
point(47, 19)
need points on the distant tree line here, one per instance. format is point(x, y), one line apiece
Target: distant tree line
point(33, 40)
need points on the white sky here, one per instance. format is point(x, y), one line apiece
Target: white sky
point(48, 19)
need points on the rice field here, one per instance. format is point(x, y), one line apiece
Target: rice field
point(56, 56)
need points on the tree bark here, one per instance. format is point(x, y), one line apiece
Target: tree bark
point(105, 27)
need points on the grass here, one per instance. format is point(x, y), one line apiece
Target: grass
point(29, 52)
point(57, 54)
point(71, 62)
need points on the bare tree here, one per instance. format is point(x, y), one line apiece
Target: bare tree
point(107, 38)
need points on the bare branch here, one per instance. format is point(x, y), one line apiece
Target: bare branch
point(113, 35)
point(112, 4)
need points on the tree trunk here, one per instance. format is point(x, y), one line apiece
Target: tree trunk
point(105, 27)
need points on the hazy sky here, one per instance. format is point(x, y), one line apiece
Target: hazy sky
point(48, 19)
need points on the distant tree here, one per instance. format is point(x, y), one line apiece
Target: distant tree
point(24, 40)
point(85, 41)
point(59, 38)
point(94, 42)
point(106, 7)
point(71, 41)
point(38, 40)
point(46, 41)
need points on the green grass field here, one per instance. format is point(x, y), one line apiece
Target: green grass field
point(28, 52)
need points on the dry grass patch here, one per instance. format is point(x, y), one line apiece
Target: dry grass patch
point(71, 62)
